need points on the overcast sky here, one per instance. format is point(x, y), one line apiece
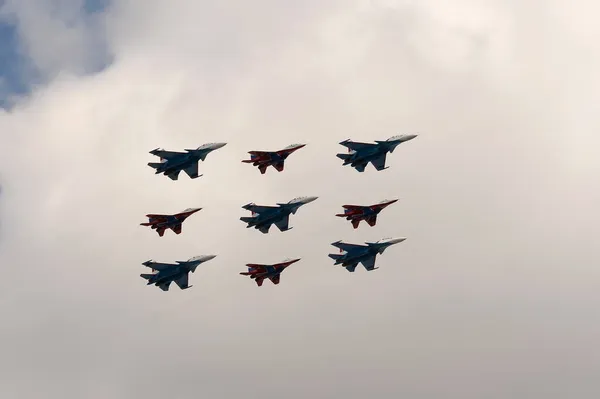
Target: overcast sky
point(493, 295)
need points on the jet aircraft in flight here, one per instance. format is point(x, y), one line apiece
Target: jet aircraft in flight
point(172, 162)
point(264, 216)
point(360, 154)
point(365, 254)
point(162, 222)
point(273, 272)
point(357, 213)
point(166, 273)
point(276, 159)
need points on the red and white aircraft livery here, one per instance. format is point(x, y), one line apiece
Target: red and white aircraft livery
point(357, 213)
point(162, 222)
point(273, 272)
point(276, 159)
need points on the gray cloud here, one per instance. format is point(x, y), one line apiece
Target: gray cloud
point(491, 296)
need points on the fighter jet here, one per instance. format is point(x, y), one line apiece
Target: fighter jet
point(365, 254)
point(162, 222)
point(360, 154)
point(276, 159)
point(264, 216)
point(273, 272)
point(168, 272)
point(357, 213)
point(171, 162)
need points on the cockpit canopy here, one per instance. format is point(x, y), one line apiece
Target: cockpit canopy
point(394, 138)
point(207, 145)
point(297, 199)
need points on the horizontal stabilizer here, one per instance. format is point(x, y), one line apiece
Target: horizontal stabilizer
point(154, 165)
point(335, 256)
point(247, 219)
point(146, 276)
point(343, 156)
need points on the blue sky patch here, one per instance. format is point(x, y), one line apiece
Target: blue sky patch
point(93, 6)
point(18, 73)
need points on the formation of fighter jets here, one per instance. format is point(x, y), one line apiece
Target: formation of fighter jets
point(263, 217)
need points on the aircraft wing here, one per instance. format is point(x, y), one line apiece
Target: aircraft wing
point(259, 208)
point(182, 281)
point(165, 286)
point(165, 154)
point(355, 145)
point(156, 216)
point(192, 170)
point(257, 268)
point(347, 247)
point(353, 207)
point(275, 278)
point(157, 265)
point(379, 162)
point(177, 228)
point(369, 263)
point(283, 223)
point(174, 175)
point(260, 153)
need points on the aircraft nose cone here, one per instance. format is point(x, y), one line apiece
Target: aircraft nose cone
point(220, 145)
point(310, 199)
point(389, 202)
point(396, 241)
point(209, 257)
point(410, 136)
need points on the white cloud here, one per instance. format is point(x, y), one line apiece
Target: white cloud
point(490, 296)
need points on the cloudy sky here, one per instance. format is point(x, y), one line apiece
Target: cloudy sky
point(493, 295)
